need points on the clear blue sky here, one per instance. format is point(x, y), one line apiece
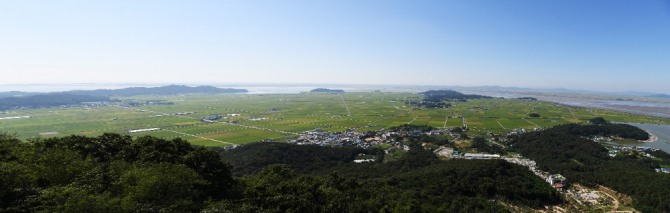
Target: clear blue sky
point(605, 45)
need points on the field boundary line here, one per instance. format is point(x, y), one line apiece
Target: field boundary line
point(414, 119)
point(500, 124)
point(197, 136)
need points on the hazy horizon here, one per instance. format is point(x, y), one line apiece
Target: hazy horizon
point(611, 46)
point(61, 87)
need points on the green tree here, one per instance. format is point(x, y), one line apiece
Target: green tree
point(209, 166)
point(58, 166)
point(162, 187)
point(598, 121)
point(75, 199)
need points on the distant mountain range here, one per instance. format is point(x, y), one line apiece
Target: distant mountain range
point(15, 100)
point(164, 90)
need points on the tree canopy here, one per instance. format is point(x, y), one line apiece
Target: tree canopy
point(117, 173)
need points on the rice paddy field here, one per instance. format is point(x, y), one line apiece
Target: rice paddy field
point(249, 118)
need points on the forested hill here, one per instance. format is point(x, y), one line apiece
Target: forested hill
point(563, 149)
point(116, 173)
point(47, 100)
point(164, 90)
point(606, 129)
point(109, 173)
point(450, 94)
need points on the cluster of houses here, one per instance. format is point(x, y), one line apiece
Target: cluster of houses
point(614, 150)
point(318, 137)
point(211, 118)
point(351, 137)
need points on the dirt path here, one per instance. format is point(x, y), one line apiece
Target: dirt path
point(573, 114)
point(345, 105)
point(604, 190)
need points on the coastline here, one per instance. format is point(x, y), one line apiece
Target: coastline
point(652, 138)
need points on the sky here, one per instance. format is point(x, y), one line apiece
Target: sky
point(603, 45)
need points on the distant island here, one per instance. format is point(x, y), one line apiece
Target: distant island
point(324, 90)
point(77, 97)
point(450, 94)
point(528, 98)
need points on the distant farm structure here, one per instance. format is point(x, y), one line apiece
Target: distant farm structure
point(14, 117)
point(143, 130)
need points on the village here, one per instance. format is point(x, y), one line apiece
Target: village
point(615, 150)
point(582, 198)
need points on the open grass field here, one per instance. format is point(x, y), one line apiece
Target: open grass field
point(281, 117)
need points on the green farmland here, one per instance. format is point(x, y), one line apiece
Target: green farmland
point(281, 117)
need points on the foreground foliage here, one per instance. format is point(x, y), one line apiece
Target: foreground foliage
point(115, 173)
point(110, 173)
